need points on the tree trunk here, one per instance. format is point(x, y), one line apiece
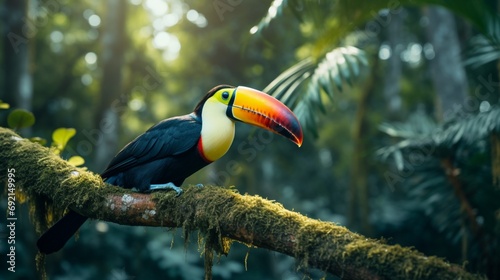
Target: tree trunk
point(448, 74)
point(111, 93)
point(392, 79)
point(17, 36)
point(358, 215)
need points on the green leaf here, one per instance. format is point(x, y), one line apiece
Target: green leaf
point(20, 118)
point(4, 105)
point(76, 160)
point(276, 9)
point(304, 82)
point(38, 140)
point(398, 158)
point(61, 136)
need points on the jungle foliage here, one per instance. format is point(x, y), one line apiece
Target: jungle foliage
point(401, 172)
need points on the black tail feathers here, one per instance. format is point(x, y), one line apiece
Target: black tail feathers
point(56, 236)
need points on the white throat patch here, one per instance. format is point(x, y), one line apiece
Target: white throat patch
point(217, 130)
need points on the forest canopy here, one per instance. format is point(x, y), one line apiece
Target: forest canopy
point(398, 101)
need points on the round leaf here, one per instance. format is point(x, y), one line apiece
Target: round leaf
point(76, 160)
point(4, 105)
point(20, 118)
point(61, 136)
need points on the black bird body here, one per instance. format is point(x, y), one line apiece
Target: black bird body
point(151, 158)
point(154, 158)
point(160, 155)
point(173, 149)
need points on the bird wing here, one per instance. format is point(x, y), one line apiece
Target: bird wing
point(169, 137)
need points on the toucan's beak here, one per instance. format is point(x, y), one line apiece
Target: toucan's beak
point(260, 109)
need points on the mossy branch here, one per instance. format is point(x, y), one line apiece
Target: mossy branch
point(220, 214)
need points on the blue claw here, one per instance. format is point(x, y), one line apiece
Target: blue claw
point(199, 185)
point(166, 186)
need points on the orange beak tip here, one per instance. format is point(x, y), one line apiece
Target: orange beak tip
point(299, 142)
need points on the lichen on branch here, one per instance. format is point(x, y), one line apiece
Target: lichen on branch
point(220, 214)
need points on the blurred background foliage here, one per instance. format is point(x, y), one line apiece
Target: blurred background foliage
point(399, 100)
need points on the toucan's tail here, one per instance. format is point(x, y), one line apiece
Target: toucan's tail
point(56, 236)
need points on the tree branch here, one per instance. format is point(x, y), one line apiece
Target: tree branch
point(452, 175)
point(218, 213)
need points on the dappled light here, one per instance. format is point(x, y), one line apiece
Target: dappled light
point(349, 139)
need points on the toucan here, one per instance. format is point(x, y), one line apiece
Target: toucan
point(173, 149)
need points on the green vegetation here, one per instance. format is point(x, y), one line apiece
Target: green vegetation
point(399, 100)
point(220, 215)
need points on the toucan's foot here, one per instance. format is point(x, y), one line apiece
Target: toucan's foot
point(167, 186)
point(199, 185)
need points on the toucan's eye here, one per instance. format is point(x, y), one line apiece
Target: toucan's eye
point(225, 95)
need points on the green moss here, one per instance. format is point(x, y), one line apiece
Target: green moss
point(67, 185)
point(203, 215)
point(321, 244)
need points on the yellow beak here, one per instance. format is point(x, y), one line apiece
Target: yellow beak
point(260, 109)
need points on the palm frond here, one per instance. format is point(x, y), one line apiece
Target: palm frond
point(485, 48)
point(301, 86)
point(420, 159)
point(471, 129)
point(415, 132)
point(313, 11)
point(338, 68)
point(426, 135)
point(350, 14)
point(481, 51)
point(276, 9)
